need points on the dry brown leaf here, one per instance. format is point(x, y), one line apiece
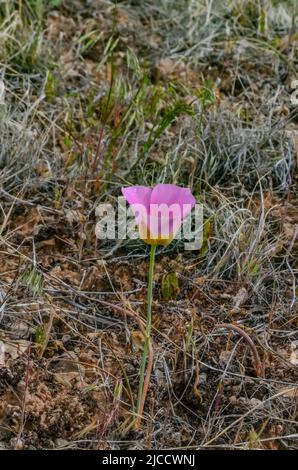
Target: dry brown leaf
point(27, 225)
point(59, 25)
point(74, 216)
point(12, 350)
point(137, 341)
point(66, 275)
point(294, 353)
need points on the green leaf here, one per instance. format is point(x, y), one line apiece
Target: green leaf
point(206, 235)
point(55, 3)
point(39, 335)
point(51, 86)
point(169, 286)
point(31, 279)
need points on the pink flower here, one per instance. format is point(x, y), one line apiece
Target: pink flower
point(159, 212)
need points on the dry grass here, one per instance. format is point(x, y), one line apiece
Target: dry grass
point(96, 97)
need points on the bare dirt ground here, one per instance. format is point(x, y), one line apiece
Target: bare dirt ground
point(95, 96)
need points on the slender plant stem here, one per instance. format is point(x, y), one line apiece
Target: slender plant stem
point(141, 398)
point(257, 361)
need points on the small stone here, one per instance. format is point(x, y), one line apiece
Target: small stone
point(233, 400)
point(255, 402)
point(224, 357)
point(17, 443)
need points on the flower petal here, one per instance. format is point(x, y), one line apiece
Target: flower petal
point(171, 194)
point(137, 195)
point(159, 212)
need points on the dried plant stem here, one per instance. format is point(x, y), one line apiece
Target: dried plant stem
point(257, 361)
point(144, 380)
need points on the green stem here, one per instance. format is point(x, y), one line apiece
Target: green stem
point(148, 325)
